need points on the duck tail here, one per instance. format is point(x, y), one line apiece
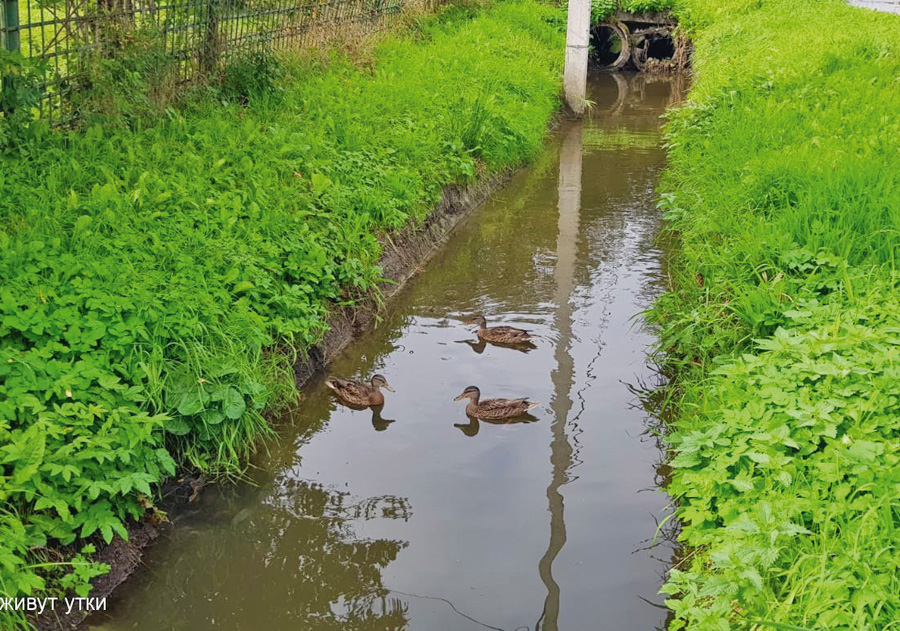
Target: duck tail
point(532, 405)
point(330, 383)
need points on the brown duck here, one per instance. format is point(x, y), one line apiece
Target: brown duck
point(490, 409)
point(501, 334)
point(358, 392)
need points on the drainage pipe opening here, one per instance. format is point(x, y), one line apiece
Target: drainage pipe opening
point(610, 46)
point(654, 49)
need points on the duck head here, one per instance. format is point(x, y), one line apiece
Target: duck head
point(378, 381)
point(471, 392)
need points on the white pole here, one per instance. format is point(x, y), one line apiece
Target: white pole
point(578, 29)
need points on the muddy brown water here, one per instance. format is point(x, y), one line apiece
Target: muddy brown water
point(418, 518)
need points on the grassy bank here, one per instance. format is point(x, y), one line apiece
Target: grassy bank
point(782, 326)
point(158, 273)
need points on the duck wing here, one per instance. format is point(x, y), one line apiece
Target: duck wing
point(510, 330)
point(348, 388)
point(503, 408)
point(506, 334)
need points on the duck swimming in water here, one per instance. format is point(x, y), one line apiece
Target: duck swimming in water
point(358, 392)
point(500, 334)
point(493, 409)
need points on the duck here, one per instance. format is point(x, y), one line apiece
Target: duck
point(493, 409)
point(500, 334)
point(358, 392)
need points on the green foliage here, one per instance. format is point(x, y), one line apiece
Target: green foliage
point(129, 78)
point(601, 9)
point(83, 570)
point(645, 6)
point(156, 272)
point(781, 328)
point(254, 75)
point(20, 92)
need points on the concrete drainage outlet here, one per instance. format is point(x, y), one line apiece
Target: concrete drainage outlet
point(610, 46)
point(653, 49)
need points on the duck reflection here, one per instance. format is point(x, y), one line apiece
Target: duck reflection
point(378, 422)
point(479, 346)
point(471, 428)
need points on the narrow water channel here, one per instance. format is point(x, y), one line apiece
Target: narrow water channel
point(420, 519)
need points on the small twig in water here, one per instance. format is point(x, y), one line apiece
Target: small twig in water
point(453, 607)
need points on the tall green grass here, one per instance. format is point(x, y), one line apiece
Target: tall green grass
point(160, 276)
point(782, 324)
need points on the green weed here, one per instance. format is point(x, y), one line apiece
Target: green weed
point(255, 75)
point(601, 9)
point(20, 93)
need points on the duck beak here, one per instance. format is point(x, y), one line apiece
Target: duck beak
point(387, 387)
point(460, 397)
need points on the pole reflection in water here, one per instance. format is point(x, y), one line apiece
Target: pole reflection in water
point(570, 160)
point(412, 517)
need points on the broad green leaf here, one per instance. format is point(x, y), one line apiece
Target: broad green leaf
point(190, 403)
point(233, 404)
point(213, 416)
point(178, 426)
point(30, 446)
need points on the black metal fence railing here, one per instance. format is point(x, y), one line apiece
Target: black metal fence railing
point(194, 37)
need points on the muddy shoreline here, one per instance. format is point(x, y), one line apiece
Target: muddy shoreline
point(404, 254)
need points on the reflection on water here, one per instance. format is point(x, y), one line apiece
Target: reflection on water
point(288, 556)
point(570, 167)
point(471, 428)
point(542, 524)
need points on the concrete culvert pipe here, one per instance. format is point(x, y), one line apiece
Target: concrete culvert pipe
point(610, 46)
point(653, 47)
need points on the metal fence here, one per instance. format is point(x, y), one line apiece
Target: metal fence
point(195, 37)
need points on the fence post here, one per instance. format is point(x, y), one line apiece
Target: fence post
point(9, 39)
point(209, 53)
point(9, 24)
